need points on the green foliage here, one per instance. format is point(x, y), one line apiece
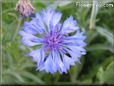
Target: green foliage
point(107, 75)
point(107, 34)
point(96, 66)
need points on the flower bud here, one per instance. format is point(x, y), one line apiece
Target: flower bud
point(25, 8)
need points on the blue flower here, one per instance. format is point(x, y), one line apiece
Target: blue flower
point(61, 45)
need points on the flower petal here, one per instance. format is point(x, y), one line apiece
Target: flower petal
point(69, 26)
point(34, 27)
point(60, 65)
point(78, 36)
point(27, 28)
point(74, 54)
point(50, 65)
point(56, 18)
point(29, 39)
point(75, 42)
point(68, 62)
point(37, 56)
point(47, 16)
point(77, 49)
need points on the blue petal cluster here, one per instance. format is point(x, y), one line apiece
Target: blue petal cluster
point(61, 44)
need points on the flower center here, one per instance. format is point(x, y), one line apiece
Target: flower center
point(53, 41)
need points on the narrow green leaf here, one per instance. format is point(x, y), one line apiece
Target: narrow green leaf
point(93, 14)
point(107, 34)
point(32, 77)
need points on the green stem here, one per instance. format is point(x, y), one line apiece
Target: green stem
point(93, 14)
point(16, 31)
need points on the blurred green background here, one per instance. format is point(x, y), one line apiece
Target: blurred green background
point(97, 66)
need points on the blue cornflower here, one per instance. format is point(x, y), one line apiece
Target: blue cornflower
point(61, 45)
